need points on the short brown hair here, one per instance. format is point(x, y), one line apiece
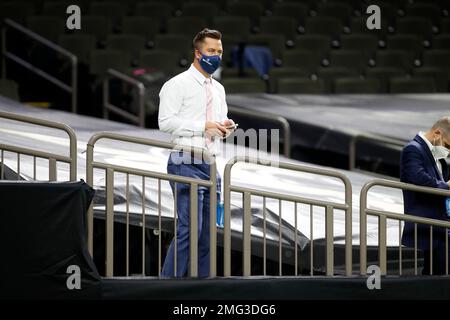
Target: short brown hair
point(443, 124)
point(205, 33)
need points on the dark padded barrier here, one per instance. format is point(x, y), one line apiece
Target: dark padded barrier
point(286, 288)
point(42, 232)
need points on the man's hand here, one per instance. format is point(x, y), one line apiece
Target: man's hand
point(448, 182)
point(228, 123)
point(215, 129)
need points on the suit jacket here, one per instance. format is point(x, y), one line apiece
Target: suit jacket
point(418, 166)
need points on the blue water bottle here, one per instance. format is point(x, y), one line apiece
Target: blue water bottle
point(219, 219)
point(447, 206)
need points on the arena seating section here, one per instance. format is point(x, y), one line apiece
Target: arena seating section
point(317, 46)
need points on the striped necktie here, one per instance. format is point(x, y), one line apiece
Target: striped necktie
point(209, 107)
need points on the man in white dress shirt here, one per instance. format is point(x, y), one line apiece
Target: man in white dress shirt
point(194, 111)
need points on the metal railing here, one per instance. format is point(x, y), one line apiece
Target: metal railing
point(329, 208)
point(382, 220)
point(111, 169)
point(72, 88)
point(380, 140)
point(267, 116)
point(138, 119)
point(53, 158)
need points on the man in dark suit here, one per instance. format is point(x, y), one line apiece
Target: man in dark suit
point(423, 164)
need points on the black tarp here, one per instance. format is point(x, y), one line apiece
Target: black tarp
point(43, 227)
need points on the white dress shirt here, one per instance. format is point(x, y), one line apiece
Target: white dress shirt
point(182, 109)
point(438, 163)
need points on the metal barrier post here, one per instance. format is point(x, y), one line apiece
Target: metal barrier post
point(248, 192)
point(369, 138)
point(194, 184)
point(53, 158)
point(364, 211)
point(138, 119)
point(272, 117)
point(73, 59)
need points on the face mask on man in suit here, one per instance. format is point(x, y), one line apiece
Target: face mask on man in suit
point(439, 152)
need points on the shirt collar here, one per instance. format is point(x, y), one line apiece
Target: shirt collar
point(197, 75)
point(422, 135)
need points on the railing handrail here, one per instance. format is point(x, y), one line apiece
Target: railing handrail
point(73, 58)
point(364, 211)
point(49, 124)
point(138, 119)
point(329, 206)
point(371, 138)
point(270, 117)
point(206, 155)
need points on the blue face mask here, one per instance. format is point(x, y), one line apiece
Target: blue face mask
point(210, 63)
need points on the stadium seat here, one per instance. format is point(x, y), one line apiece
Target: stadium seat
point(439, 76)
point(174, 4)
point(339, 11)
point(112, 10)
point(331, 73)
point(442, 41)
point(388, 11)
point(412, 85)
point(176, 43)
point(303, 59)
point(252, 10)
point(186, 25)
point(348, 59)
point(445, 26)
point(102, 60)
point(395, 58)
point(244, 85)
point(164, 60)
point(324, 26)
point(437, 58)
point(236, 72)
point(356, 85)
point(56, 9)
point(279, 25)
point(130, 43)
point(143, 26)
point(221, 4)
point(275, 42)
point(79, 44)
point(9, 89)
point(366, 44)
point(153, 9)
point(200, 9)
point(317, 43)
point(98, 26)
point(48, 27)
point(429, 11)
point(229, 42)
point(300, 86)
point(407, 42)
point(233, 26)
point(415, 26)
point(266, 4)
point(383, 74)
point(284, 72)
point(358, 25)
point(297, 11)
point(16, 11)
